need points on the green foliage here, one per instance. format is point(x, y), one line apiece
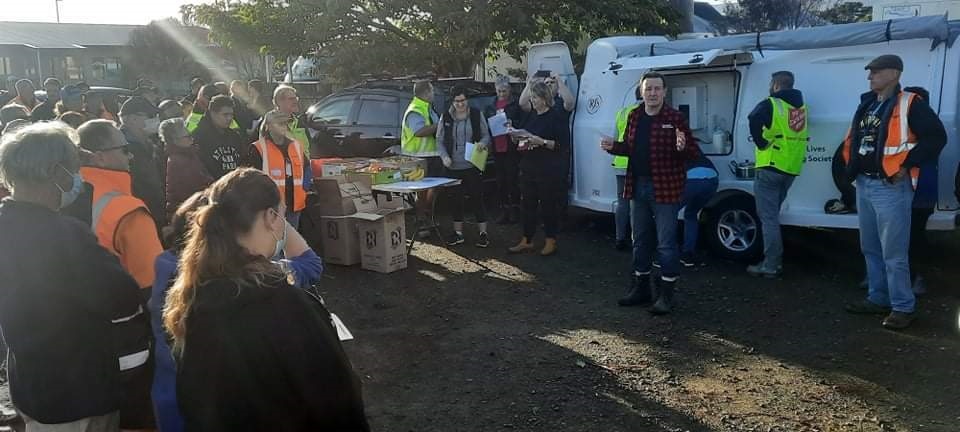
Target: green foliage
point(442, 37)
point(159, 51)
point(747, 16)
point(847, 12)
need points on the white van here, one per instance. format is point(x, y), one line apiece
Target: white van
point(718, 81)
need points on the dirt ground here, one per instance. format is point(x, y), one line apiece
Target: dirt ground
point(478, 340)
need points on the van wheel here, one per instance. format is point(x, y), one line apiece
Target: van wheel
point(734, 229)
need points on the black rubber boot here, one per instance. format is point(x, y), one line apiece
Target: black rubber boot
point(639, 292)
point(664, 303)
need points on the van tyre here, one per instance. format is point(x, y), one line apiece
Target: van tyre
point(733, 229)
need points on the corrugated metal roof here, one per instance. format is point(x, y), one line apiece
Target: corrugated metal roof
point(64, 35)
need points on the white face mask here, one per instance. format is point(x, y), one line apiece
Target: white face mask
point(152, 125)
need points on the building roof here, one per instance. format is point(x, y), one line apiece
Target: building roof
point(64, 35)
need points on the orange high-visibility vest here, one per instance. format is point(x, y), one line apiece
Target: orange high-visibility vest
point(112, 201)
point(274, 165)
point(900, 139)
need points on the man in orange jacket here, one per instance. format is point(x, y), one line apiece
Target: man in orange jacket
point(892, 134)
point(124, 227)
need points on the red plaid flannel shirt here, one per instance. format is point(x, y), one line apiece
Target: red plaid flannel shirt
point(668, 166)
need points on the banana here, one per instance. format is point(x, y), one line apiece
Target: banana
point(417, 174)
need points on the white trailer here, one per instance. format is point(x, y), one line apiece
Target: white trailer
point(718, 81)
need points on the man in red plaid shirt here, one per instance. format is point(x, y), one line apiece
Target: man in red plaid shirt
point(659, 144)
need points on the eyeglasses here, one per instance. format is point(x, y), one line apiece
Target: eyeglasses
point(124, 148)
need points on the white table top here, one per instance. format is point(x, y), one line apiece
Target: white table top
point(423, 184)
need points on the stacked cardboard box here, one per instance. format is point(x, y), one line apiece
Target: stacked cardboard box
point(353, 229)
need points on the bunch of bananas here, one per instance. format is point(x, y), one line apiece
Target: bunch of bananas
point(415, 175)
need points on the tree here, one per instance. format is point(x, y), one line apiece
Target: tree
point(442, 37)
point(747, 16)
point(161, 51)
point(847, 12)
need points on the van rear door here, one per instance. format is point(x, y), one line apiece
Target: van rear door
point(604, 92)
point(553, 57)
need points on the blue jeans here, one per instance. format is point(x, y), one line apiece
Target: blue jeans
point(884, 211)
point(696, 194)
point(770, 190)
point(654, 228)
point(621, 216)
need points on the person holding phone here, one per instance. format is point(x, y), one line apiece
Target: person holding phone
point(542, 168)
point(659, 144)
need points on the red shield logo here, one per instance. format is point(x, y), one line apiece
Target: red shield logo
point(798, 119)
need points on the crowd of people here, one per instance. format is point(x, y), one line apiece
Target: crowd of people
point(161, 234)
point(167, 237)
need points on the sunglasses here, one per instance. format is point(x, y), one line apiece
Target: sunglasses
point(124, 148)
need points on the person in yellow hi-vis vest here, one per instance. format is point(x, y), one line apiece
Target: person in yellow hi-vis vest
point(621, 213)
point(418, 138)
point(778, 125)
point(206, 94)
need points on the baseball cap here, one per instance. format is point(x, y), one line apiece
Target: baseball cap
point(138, 105)
point(886, 61)
point(70, 91)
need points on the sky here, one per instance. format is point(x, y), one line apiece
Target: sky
point(92, 11)
point(100, 11)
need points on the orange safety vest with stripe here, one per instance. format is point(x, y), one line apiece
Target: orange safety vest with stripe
point(275, 166)
point(112, 201)
point(900, 139)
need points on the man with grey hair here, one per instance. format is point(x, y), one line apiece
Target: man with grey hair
point(505, 152)
point(56, 319)
point(285, 100)
point(124, 227)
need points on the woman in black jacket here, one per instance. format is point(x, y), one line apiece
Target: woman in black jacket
point(60, 290)
point(253, 352)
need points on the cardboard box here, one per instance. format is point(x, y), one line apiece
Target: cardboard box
point(384, 176)
point(390, 201)
point(405, 164)
point(338, 197)
point(383, 240)
point(341, 240)
point(340, 167)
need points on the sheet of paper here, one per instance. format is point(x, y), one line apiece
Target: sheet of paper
point(498, 124)
point(342, 331)
point(476, 156)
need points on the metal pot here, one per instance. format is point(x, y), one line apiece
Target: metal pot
point(745, 170)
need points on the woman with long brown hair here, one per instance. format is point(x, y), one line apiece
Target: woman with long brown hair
point(253, 352)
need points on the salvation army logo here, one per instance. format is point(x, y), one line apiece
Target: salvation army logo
point(593, 104)
point(798, 119)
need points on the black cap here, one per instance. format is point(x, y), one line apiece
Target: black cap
point(886, 61)
point(138, 105)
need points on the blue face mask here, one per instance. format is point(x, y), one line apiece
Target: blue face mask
point(68, 197)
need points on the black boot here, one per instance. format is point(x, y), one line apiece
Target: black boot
point(664, 303)
point(639, 292)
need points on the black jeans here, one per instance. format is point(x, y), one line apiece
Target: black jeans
point(471, 184)
point(508, 170)
point(543, 194)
